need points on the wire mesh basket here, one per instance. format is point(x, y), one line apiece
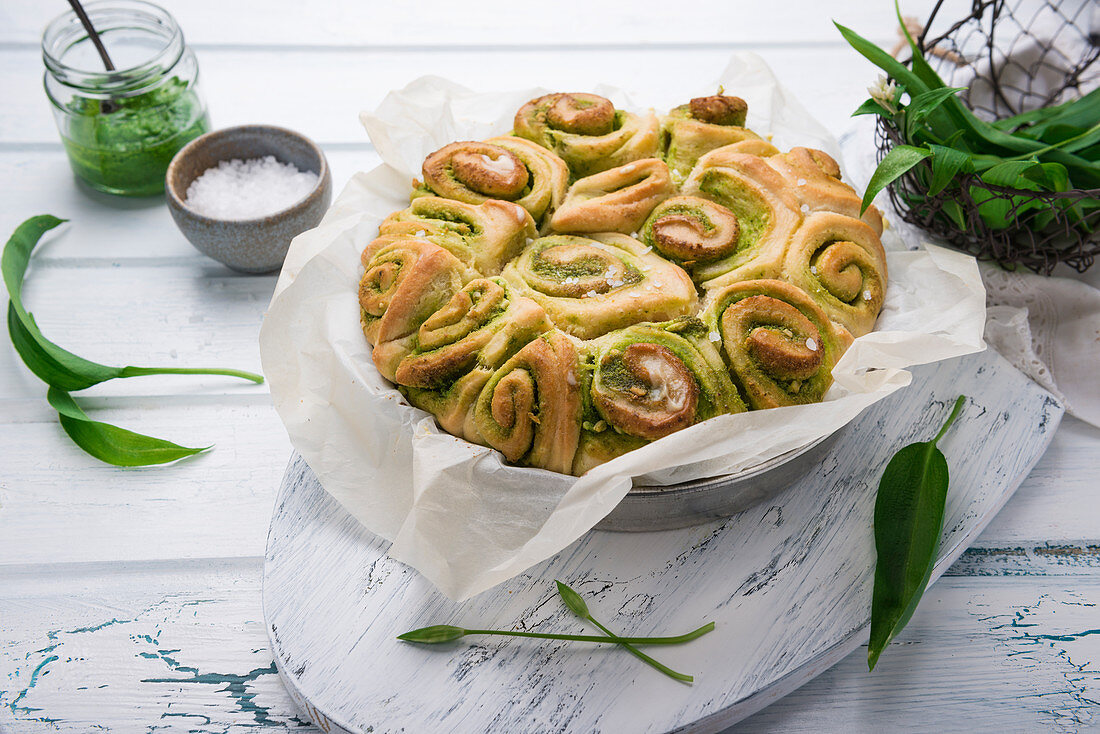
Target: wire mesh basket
point(1012, 56)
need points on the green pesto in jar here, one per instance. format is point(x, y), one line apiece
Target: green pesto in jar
point(124, 145)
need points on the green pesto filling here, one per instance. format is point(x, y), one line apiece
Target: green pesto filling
point(688, 326)
point(752, 213)
point(615, 376)
point(450, 220)
point(581, 268)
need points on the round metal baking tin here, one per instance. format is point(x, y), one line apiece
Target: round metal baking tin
point(705, 500)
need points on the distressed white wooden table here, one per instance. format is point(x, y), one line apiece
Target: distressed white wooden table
point(130, 599)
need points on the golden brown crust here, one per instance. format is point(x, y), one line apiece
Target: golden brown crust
point(583, 114)
point(530, 409)
point(814, 177)
point(719, 109)
point(616, 200)
point(591, 285)
point(840, 263)
point(404, 283)
point(690, 230)
point(780, 345)
point(587, 131)
point(484, 236)
point(476, 170)
point(662, 399)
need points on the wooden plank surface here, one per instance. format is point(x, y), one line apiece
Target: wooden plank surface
point(496, 23)
point(174, 553)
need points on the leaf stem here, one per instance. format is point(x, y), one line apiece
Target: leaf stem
point(143, 371)
point(682, 677)
point(951, 418)
point(599, 638)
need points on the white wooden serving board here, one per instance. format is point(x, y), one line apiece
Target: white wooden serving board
point(787, 583)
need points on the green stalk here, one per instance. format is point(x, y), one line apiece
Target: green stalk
point(577, 605)
point(683, 677)
point(142, 371)
point(610, 638)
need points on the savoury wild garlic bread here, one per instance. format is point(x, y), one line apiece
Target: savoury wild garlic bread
point(600, 279)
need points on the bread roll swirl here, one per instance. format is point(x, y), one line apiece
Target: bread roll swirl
point(590, 286)
point(767, 214)
point(587, 131)
point(615, 200)
point(530, 408)
point(404, 283)
point(691, 231)
point(814, 177)
point(840, 263)
point(506, 168)
point(780, 345)
point(461, 344)
point(691, 130)
point(484, 236)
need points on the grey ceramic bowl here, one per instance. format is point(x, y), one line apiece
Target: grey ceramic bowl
point(247, 245)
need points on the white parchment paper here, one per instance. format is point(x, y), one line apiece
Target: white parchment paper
point(454, 510)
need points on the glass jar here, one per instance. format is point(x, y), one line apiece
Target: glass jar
point(121, 128)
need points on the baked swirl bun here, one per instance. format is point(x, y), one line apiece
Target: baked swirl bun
point(459, 346)
point(696, 128)
point(587, 131)
point(483, 236)
point(591, 285)
point(815, 179)
point(615, 200)
point(568, 350)
point(840, 263)
point(405, 282)
point(650, 380)
point(691, 231)
point(504, 168)
point(530, 408)
point(780, 345)
point(767, 213)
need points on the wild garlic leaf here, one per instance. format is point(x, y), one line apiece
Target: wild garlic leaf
point(52, 364)
point(922, 105)
point(946, 164)
point(112, 444)
point(897, 162)
point(908, 522)
point(871, 107)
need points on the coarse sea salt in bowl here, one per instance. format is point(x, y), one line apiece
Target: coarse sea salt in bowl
point(241, 194)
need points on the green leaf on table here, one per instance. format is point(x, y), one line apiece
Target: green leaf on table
point(946, 164)
point(53, 365)
point(112, 444)
point(908, 522)
point(897, 162)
